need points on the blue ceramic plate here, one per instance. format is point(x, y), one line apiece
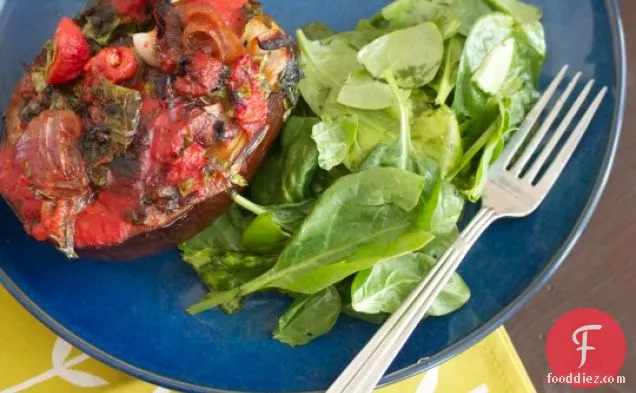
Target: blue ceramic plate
point(131, 315)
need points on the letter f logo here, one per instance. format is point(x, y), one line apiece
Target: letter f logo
point(583, 343)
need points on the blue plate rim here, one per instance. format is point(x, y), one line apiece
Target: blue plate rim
point(620, 54)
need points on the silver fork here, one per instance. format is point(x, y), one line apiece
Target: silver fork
point(515, 188)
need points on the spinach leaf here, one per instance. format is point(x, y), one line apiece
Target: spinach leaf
point(494, 139)
point(488, 32)
point(523, 12)
point(373, 128)
point(486, 58)
point(326, 65)
point(273, 225)
point(344, 289)
point(401, 14)
point(316, 31)
point(228, 270)
point(386, 286)
point(300, 158)
point(361, 91)
point(291, 216)
point(352, 217)
point(386, 155)
point(335, 138)
point(364, 33)
point(264, 235)
point(443, 209)
point(493, 71)
point(413, 55)
point(436, 134)
point(224, 234)
point(309, 317)
point(324, 179)
point(406, 147)
point(402, 153)
point(446, 78)
point(365, 257)
point(266, 188)
point(406, 13)
point(468, 12)
point(288, 173)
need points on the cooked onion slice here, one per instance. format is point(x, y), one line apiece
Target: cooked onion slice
point(146, 46)
point(49, 155)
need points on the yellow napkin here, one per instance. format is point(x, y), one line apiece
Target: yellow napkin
point(34, 360)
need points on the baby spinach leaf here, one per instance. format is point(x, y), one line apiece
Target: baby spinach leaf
point(271, 229)
point(344, 289)
point(401, 14)
point(413, 55)
point(366, 257)
point(358, 211)
point(406, 147)
point(317, 31)
point(288, 172)
point(473, 187)
point(300, 158)
point(364, 33)
point(224, 234)
point(264, 235)
point(266, 188)
point(228, 270)
point(406, 13)
point(361, 91)
point(324, 179)
point(493, 71)
point(386, 286)
point(443, 209)
point(291, 216)
point(309, 317)
point(487, 33)
point(446, 78)
point(436, 134)
point(335, 138)
point(326, 65)
point(523, 12)
point(468, 12)
point(386, 155)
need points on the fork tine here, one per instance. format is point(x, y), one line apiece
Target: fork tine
point(532, 146)
point(517, 140)
point(558, 134)
point(561, 160)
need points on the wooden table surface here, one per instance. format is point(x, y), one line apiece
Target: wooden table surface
point(601, 271)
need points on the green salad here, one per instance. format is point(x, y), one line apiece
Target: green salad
point(400, 121)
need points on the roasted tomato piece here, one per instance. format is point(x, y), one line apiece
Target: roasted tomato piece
point(70, 53)
point(204, 74)
point(170, 132)
point(49, 155)
point(186, 172)
point(134, 9)
point(249, 96)
point(15, 187)
point(232, 12)
point(117, 64)
point(103, 223)
point(205, 31)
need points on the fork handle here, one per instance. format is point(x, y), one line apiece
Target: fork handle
point(368, 367)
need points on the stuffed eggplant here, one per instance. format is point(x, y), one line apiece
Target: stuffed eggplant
point(127, 133)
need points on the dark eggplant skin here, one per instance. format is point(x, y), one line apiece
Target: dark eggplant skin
point(199, 216)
